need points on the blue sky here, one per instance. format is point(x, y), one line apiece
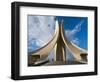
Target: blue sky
point(78, 27)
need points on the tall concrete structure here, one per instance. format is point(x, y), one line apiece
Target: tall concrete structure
point(59, 43)
point(60, 50)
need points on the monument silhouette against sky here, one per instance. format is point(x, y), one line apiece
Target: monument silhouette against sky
point(59, 43)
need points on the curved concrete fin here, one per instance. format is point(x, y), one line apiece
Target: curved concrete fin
point(45, 50)
point(74, 49)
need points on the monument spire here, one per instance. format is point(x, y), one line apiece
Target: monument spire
point(60, 52)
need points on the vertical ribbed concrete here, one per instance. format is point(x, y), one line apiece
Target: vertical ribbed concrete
point(60, 48)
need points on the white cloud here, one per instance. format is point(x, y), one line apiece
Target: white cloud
point(77, 28)
point(40, 30)
point(75, 41)
point(70, 34)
